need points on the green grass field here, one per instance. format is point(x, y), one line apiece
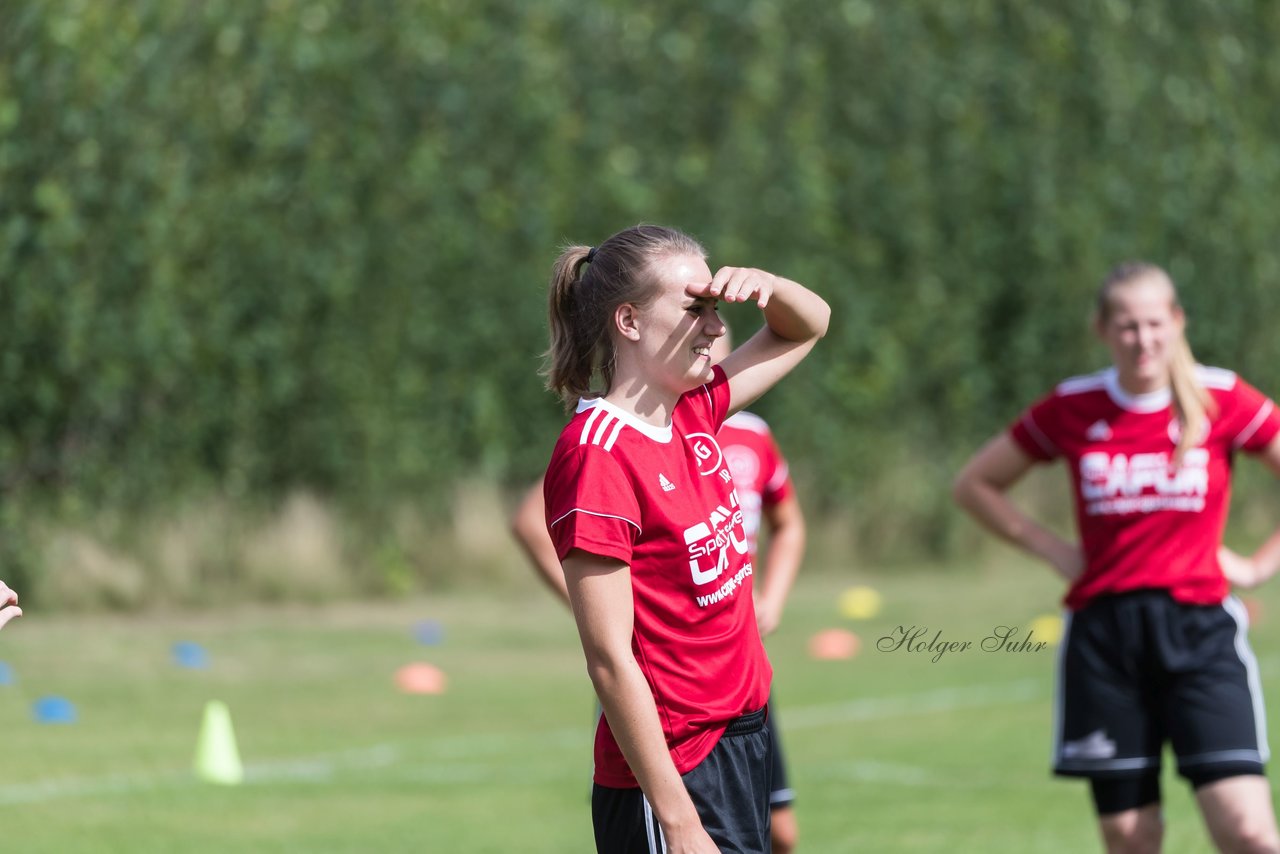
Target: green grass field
point(889, 751)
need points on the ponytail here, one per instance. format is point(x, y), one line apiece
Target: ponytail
point(1191, 401)
point(570, 359)
point(587, 286)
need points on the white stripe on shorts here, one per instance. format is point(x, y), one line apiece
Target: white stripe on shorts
point(1059, 702)
point(657, 842)
point(1235, 608)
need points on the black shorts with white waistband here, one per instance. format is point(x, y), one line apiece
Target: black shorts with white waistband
point(1138, 669)
point(730, 789)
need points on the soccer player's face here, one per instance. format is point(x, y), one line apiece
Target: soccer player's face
point(1143, 326)
point(679, 330)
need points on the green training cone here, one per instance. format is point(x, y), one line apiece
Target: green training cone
point(217, 758)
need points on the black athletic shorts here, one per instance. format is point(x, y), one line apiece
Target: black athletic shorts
point(730, 789)
point(1138, 669)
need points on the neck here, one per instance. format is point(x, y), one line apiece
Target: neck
point(644, 401)
point(1141, 385)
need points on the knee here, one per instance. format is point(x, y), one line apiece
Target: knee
point(1137, 832)
point(1252, 839)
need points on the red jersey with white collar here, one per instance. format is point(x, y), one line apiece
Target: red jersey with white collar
point(1144, 523)
point(663, 501)
point(759, 470)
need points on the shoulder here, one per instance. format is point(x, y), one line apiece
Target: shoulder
point(1216, 379)
point(1083, 384)
point(749, 422)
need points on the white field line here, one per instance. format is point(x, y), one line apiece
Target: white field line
point(928, 702)
point(324, 766)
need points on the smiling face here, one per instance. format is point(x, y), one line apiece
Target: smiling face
point(1141, 322)
point(674, 332)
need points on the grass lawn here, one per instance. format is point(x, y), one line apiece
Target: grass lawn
point(889, 751)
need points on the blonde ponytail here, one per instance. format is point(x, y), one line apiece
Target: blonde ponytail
point(1191, 401)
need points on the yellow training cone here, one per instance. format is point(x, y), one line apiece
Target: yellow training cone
point(859, 603)
point(1047, 628)
point(217, 758)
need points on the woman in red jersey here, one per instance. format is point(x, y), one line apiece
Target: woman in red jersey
point(648, 528)
point(1154, 648)
point(765, 492)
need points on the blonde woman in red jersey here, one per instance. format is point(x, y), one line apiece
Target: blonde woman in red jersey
point(1155, 648)
point(647, 527)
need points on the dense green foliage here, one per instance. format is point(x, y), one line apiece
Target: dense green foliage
point(255, 246)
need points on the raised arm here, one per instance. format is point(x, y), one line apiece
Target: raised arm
point(981, 488)
point(1265, 562)
point(529, 527)
point(600, 594)
point(782, 560)
point(795, 318)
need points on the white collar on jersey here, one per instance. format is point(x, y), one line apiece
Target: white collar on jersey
point(657, 434)
point(1152, 401)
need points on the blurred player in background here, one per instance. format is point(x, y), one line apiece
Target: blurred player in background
point(1154, 648)
point(765, 491)
point(8, 605)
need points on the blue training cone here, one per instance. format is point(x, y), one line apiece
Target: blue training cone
point(190, 655)
point(429, 632)
point(54, 710)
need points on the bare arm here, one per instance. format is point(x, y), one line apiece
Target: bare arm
point(600, 593)
point(981, 489)
point(529, 527)
point(782, 562)
point(1265, 562)
point(795, 318)
point(8, 604)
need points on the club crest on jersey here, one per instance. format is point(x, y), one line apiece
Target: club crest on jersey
point(706, 450)
point(1175, 431)
point(743, 462)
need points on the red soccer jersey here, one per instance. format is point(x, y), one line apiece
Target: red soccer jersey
point(1144, 523)
point(663, 501)
point(759, 470)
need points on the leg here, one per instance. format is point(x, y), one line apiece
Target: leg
point(1129, 817)
point(1216, 722)
point(1136, 831)
point(784, 830)
point(1237, 811)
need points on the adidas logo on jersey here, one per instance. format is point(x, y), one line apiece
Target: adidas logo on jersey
point(1099, 431)
point(667, 486)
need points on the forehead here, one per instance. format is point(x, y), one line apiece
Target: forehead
point(1148, 297)
point(674, 272)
